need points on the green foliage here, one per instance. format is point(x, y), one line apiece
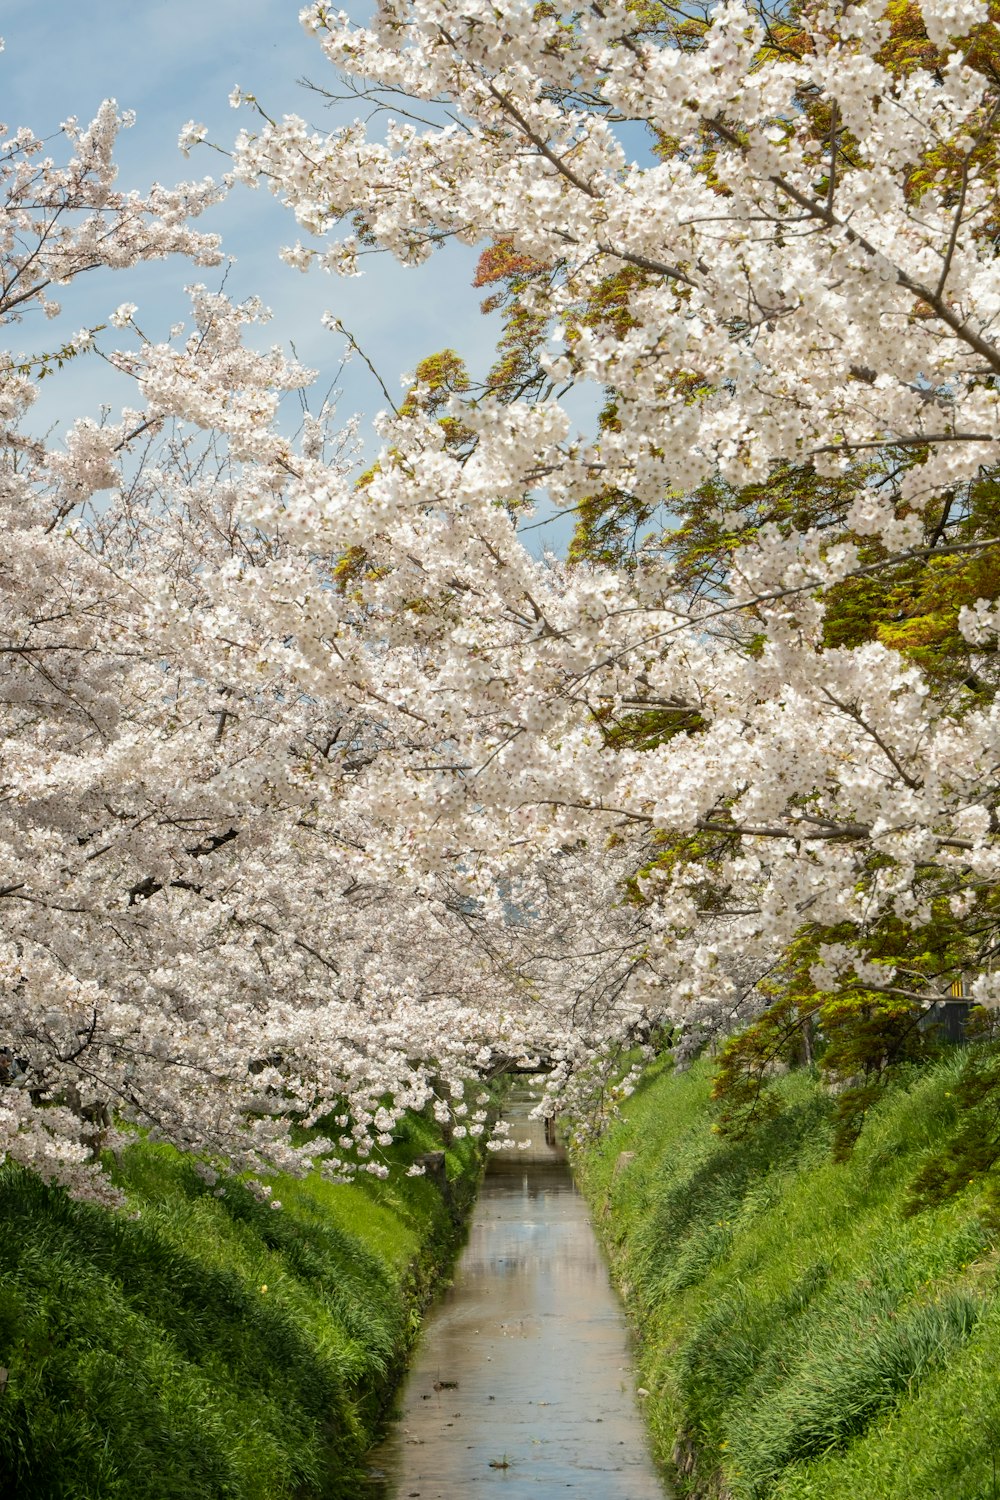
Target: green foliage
point(439, 377)
point(860, 1036)
point(804, 1335)
point(516, 373)
point(971, 1151)
point(198, 1346)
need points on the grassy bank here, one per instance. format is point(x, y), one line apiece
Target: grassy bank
point(802, 1336)
point(201, 1346)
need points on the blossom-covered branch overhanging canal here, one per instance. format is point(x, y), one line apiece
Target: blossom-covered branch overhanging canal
point(323, 797)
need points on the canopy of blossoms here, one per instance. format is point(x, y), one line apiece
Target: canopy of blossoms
point(321, 795)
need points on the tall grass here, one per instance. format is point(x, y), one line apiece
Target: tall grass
point(197, 1346)
point(801, 1336)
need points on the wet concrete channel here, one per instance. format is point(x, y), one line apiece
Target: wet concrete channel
point(522, 1385)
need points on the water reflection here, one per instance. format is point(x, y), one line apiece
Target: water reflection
point(523, 1379)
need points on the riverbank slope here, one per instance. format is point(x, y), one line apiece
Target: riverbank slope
point(800, 1334)
point(200, 1346)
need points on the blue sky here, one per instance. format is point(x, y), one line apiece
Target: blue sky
point(172, 62)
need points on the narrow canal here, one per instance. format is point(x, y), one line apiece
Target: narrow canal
point(522, 1384)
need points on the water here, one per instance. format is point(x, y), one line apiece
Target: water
point(522, 1385)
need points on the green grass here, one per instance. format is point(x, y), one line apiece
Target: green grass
point(196, 1346)
point(801, 1336)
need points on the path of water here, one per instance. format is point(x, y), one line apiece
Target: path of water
point(522, 1385)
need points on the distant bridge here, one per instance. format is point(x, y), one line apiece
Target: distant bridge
point(503, 1065)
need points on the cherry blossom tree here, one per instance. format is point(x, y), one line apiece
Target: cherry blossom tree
point(322, 795)
point(791, 311)
point(200, 935)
